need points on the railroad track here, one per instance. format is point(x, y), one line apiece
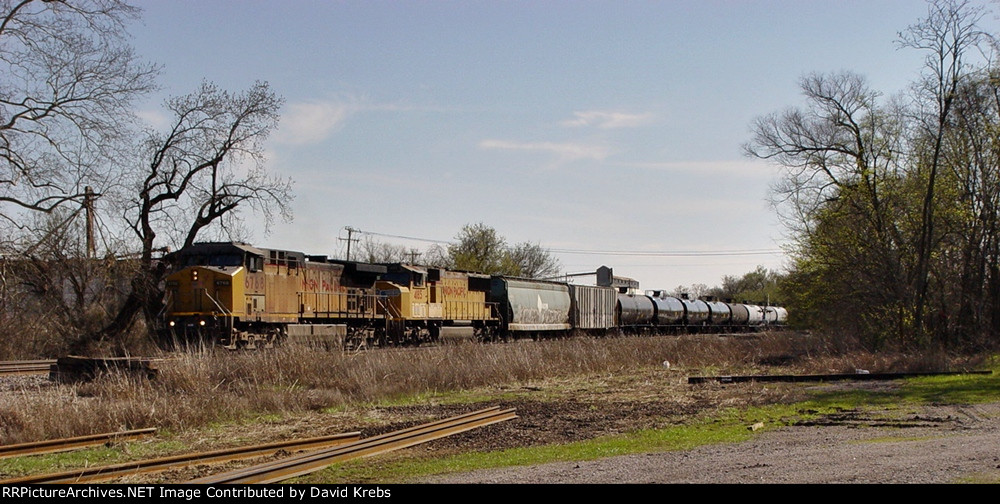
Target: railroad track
point(27, 367)
point(66, 444)
point(104, 473)
point(281, 470)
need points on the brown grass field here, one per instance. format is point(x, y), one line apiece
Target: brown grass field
point(210, 386)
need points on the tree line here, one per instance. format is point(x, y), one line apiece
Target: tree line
point(477, 248)
point(893, 201)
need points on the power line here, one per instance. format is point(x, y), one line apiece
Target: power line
point(404, 237)
point(637, 253)
point(670, 253)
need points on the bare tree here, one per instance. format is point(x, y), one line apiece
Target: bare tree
point(69, 81)
point(533, 261)
point(374, 251)
point(948, 33)
point(201, 172)
point(844, 159)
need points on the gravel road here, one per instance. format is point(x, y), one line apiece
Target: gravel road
point(936, 444)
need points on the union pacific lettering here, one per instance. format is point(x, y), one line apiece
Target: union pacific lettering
point(456, 287)
point(313, 285)
point(450, 291)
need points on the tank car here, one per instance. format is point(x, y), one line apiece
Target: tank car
point(669, 310)
point(634, 311)
point(755, 316)
point(720, 314)
point(696, 313)
point(775, 316)
point(740, 320)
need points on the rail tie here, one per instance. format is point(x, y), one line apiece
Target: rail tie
point(281, 470)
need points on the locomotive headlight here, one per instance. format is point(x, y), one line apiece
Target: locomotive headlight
point(194, 275)
point(172, 323)
point(201, 323)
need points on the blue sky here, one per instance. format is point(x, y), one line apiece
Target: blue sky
point(578, 125)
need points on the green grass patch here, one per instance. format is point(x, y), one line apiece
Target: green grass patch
point(986, 478)
point(86, 457)
point(730, 425)
point(954, 389)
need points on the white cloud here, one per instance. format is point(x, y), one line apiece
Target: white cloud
point(607, 120)
point(312, 122)
point(748, 168)
point(154, 118)
point(564, 151)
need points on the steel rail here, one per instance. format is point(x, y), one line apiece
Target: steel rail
point(281, 470)
point(25, 367)
point(108, 472)
point(825, 377)
point(66, 444)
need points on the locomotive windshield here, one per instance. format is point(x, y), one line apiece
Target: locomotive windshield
point(213, 260)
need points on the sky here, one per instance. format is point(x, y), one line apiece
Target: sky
point(609, 132)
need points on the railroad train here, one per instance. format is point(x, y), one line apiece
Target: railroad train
point(242, 296)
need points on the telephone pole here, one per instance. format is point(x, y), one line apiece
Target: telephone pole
point(88, 206)
point(349, 239)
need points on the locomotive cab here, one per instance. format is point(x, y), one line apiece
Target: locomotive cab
point(213, 287)
point(420, 302)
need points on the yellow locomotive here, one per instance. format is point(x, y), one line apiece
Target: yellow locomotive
point(243, 296)
point(423, 302)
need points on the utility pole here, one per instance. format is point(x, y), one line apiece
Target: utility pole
point(88, 206)
point(349, 239)
point(413, 256)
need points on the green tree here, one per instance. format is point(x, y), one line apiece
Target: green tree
point(893, 204)
point(478, 248)
point(759, 286)
point(948, 33)
point(843, 194)
point(481, 249)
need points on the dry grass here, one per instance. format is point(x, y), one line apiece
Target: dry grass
point(199, 387)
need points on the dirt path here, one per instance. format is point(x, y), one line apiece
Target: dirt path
point(938, 444)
